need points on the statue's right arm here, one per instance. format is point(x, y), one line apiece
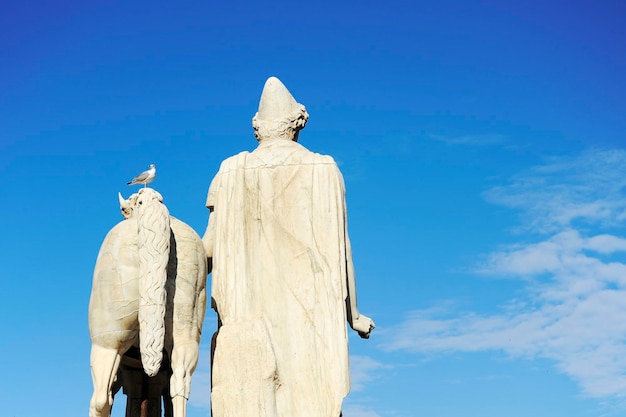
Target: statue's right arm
point(362, 324)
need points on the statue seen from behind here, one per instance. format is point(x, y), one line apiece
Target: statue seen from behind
point(283, 281)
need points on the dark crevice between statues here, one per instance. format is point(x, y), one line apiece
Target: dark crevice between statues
point(145, 396)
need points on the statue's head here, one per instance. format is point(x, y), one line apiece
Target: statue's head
point(280, 116)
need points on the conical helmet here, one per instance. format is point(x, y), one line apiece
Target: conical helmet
point(276, 101)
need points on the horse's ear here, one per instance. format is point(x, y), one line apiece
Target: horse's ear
point(123, 203)
point(124, 206)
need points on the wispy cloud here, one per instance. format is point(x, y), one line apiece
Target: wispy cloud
point(364, 370)
point(590, 188)
point(470, 140)
point(574, 308)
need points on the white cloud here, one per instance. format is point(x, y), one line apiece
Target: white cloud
point(470, 140)
point(588, 188)
point(363, 370)
point(574, 307)
point(606, 244)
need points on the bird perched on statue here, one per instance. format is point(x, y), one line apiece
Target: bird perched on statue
point(145, 177)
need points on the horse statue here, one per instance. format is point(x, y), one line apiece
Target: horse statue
point(149, 291)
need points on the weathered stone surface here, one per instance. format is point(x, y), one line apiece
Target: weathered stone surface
point(283, 280)
point(148, 291)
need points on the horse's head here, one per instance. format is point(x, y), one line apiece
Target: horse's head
point(127, 206)
point(142, 197)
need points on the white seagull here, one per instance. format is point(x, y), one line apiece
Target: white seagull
point(145, 177)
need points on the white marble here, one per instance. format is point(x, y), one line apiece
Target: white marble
point(283, 280)
point(148, 291)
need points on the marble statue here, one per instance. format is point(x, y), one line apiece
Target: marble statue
point(283, 281)
point(148, 292)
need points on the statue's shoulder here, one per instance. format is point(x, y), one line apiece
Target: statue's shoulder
point(326, 162)
point(327, 168)
point(316, 158)
point(231, 163)
point(326, 159)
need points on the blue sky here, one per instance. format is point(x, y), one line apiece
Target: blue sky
point(482, 145)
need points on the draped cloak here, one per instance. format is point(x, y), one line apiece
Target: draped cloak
point(280, 263)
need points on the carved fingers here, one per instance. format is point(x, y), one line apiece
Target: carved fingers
point(363, 326)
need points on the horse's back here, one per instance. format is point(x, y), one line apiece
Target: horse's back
point(115, 290)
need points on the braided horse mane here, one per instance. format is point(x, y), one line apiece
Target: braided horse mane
point(154, 233)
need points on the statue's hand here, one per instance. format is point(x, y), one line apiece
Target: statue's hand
point(363, 326)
